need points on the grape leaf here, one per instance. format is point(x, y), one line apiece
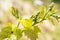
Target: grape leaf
point(36, 29)
point(27, 23)
point(17, 32)
point(6, 32)
point(32, 33)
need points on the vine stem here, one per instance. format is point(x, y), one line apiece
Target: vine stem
point(18, 24)
point(43, 17)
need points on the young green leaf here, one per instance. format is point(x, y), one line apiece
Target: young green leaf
point(42, 12)
point(55, 16)
point(48, 15)
point(14, 12)
point(31, 34)
point(6, 32)
point(36, 29)
point(17, 32)
point(52, 8)
point(27, 23)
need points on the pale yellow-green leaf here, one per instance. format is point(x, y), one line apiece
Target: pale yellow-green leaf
point(48, 15)
point(14, 12)
point(54, 10)
point(6, 32)
point(41, 11)
point(26, 23)
point(17, 32)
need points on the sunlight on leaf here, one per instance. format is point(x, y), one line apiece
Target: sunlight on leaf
point(27, 23)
